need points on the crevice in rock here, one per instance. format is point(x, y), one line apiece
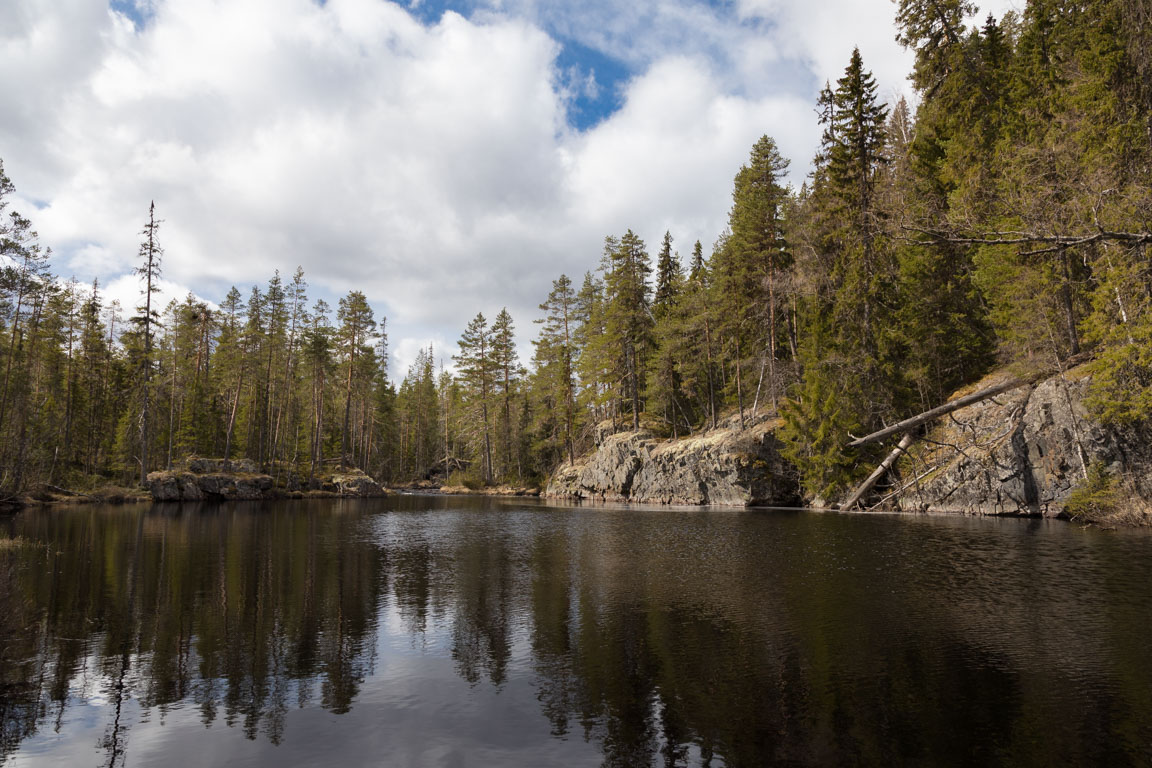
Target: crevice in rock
point(1022, 460)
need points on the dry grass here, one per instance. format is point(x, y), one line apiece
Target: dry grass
point(1108, 501)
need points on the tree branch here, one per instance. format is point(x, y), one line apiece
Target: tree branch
point(1054, 243)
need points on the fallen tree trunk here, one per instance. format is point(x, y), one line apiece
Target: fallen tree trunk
point(889, 460)
point(64, 491)
point(940, 410)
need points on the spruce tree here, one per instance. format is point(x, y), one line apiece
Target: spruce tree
point(628, 316)
point(752, 268)
point(669, 277)
point(848, 352)
point(555, 354)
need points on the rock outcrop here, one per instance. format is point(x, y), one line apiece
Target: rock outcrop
point(189, 486)
point(727, 466)
point(1020, 453)
point(349, 483)
point(240, 480)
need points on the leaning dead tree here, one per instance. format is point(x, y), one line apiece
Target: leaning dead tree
point(885, 465)
point(941, 410)
point(908, 426)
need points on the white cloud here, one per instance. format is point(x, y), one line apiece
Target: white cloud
point(431, 166)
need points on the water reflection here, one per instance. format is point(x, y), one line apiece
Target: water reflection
point(601, 637)
point(241, 612)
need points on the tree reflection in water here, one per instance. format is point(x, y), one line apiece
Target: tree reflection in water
point(660, 638)
point(244, 611)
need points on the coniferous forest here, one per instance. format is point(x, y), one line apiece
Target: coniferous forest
point(1005, 220)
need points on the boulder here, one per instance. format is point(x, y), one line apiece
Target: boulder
point(354, 483)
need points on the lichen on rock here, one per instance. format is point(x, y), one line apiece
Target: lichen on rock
point(1020, 453)
point(728, 466)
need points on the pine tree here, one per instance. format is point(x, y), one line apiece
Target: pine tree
point(593, 363)
point(934, 29)
point(231, 366)
point(146, 321)
point(478, 369)
point(357, 325)
point(508, 371)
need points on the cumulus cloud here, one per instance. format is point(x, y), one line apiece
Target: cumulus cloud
point(431, 165)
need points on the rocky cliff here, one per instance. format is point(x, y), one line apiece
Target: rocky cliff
point(727, 466)
point(1021, 453)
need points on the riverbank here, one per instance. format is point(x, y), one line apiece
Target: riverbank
point(1033, 451)
point(48, 495)
point(219, 480)
point(441, 489)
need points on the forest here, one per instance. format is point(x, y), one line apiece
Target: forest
point(1003, 221)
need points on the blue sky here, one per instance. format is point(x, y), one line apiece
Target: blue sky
point(444, 157)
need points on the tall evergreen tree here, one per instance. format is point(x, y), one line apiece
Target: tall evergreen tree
point(554, 358)
point(146, 321)
point(628, 315)
point(750, 272)
point(508, 371)
point(478, 370)
point(357, 325)
point(848, 353)
point(669, 277)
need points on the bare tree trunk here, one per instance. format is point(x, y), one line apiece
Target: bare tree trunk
point(14, 342)
point(711, 387)
point(172, 393)
point(911, 423)
point(889, 460)
point(772, 340)
point(344, 443)
point(739, 385)
point(232, 419)
point(793, 333)
point(1069, 309)
point(635, 376)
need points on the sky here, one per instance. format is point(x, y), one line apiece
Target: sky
point(445, 157)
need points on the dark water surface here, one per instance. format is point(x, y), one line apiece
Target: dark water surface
point(435, 631)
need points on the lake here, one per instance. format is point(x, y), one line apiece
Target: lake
point(465, 631)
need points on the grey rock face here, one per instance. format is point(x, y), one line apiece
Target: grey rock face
point(727, 467)
point(187, 486)
point(357, 484)
point(204, 481)
point(1022, 452)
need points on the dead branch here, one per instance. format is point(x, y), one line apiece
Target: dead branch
point(1054, 243)
point(937, 412)
point(907, 485)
